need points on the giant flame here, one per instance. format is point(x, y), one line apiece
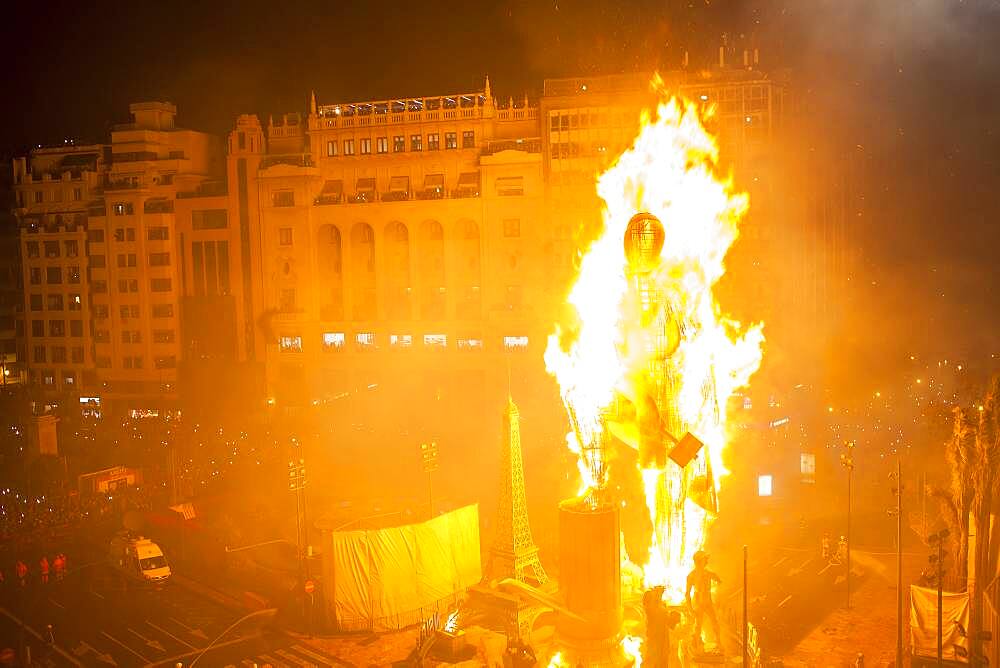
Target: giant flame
point(615, 349)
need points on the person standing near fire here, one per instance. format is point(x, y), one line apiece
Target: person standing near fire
point(700, 580)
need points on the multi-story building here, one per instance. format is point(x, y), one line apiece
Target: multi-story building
point(407, 232)
point(102, 258)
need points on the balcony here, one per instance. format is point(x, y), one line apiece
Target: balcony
point(158, 206)
point(532, 145)
point(293, 159)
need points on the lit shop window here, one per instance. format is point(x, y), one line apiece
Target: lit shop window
point(436, 340)
point(290, 344)
point(333, 341)
point(466, 343)
point(365, 340)
point(514, 343)
point(765, 485)
point(747, 403)
point(807, 466)
point(400, 340)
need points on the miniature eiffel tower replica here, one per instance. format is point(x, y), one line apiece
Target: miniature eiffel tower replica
point(514, 554)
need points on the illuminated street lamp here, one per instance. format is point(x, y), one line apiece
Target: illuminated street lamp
point(847, 460)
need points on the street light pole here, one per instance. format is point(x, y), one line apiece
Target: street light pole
point(268, 612)
point(847, 459)
point(898, 511)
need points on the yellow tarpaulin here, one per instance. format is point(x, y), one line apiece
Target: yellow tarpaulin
point(923, 623)
point(391, 578)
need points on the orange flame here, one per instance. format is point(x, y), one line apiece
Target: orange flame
point(615, 349)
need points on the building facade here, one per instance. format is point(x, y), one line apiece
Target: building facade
point(419, 237)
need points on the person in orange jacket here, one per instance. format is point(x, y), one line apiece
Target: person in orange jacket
point(22, 572)
point(59, 566)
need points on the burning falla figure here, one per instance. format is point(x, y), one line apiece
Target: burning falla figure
point(649, 419)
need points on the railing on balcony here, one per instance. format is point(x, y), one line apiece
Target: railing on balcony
point(293, 159)
point(206, 189)
point(158, 206)
point(532, 145)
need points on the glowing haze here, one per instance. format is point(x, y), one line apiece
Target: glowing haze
point(615, 350)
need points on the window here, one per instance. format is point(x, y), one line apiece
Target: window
point(286, 300)
point(416, 142)
point(57, 328)
point(125, 234)
point(382, 145)
point(72, 248)
point(75, 302)
point(36, 302)
point(469, 139)
point(102, 336)
point(514, 343)
point(333, 341)
point(436, 340)
point(165, 362)
point(38, 197)
point(161, 232)
point(137, 362)
point(290, 344)
point(159, 259)
point(68, 378)
point(159, 284)
point(38, 328)
point(209, 219)
point(35, 275)
point(76, 353)
point(96, 236)
point(133, 336)
point(765, 485)
point(129, 311)
point(126, 259)
point(163, 310)
point(398, 144)
point(331, 148)
point(512, 227)
point(400, 340)
point(101, 311)
point(32, 249)
point(73, 274)
point(348, 147)
point(284, 198)
point(54, 302)
point(163, 336)
point(285, 236)
point(366, 146)
point(127, 362)
point(467, 343)
point(51, 249)
point(99, 287)
point(98, 261)
point(49, 377)
point(59, 354)
point(102, 362)
point(122, 208)
point(433, 141)
point(450, 140)
point(77, 194)
point(38, 355)
point(365, 340)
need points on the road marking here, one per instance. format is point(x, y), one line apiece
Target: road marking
point(57, 648)
point(825, 569)
point(96, 594)
point(174, 659)
point(787, 599)
point(198, 633)
point(155, 644)
point(123, 646)
point(84, 647)
point(57, 604)
point(168, 633)
point(288, 656)
point(319, 658)
point(779, 562)
point(269, 660)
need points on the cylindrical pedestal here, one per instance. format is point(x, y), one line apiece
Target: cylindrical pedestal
point(590, 572)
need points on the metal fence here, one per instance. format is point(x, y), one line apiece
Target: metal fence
point(991, 621)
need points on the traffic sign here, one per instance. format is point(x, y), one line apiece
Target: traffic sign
point(310, 586)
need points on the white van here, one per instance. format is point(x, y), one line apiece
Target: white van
point(139, 558)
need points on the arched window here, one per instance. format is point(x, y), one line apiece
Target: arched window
point(330, 263)
point(397, 270)
point(433, 297)
point(365, 305)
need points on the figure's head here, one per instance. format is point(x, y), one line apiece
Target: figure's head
point(700, 558)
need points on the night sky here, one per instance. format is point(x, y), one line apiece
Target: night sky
point(912, 84)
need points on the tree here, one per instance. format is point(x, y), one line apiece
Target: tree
point(973, 456)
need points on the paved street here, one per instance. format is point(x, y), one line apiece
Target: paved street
point(98, 619)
